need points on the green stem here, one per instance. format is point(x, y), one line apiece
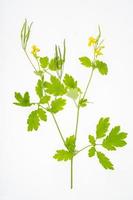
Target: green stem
point(75, 103)
point(78, 107)
point(48, 104)
point(58, 128)
point(83, 148)
point(77, 121)
point(88, 84)
point(29, 59)
point(56, 125)
point(86, 148)
point(48, 72)
point(72, 173)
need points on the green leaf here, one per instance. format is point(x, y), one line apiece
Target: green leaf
point(69, 81)
point(33, 121)
point(102, 67)
point(54, 64)
point(22, 100)
point(42, 114)
point(55, 87)
point(73, 93)
point(92, 139)
point(18, 96)
point(26, 97)
point(44, 61)
point(57, 105)
point(39, 73)
point(114, 139)
point(91, 152)
point(102, 127)
point(70, 143)
point(39, 88)
point(63, 155)
point(44, 99)
point(83, 102)
point(104, 161)
point(85, 61)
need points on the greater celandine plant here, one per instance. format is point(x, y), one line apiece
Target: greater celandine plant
point(53, 86)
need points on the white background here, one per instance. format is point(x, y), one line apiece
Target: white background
point(27, 169)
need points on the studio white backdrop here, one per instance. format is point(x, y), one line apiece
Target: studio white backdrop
point(27, 169)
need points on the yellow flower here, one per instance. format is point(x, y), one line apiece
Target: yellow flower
point(98, 51)
point(35, 49)
point(91, 41)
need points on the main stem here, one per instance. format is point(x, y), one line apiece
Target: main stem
point(76, 130)
point(77, 122)
point(72, 173)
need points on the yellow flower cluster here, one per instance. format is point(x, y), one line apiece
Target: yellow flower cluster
point(98, 51)
point(91, 41)
point(35, 50)
point(97, 48)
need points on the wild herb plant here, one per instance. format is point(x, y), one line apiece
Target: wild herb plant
point(53, 86)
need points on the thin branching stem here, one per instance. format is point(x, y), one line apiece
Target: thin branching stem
point(48, 72)
point(89, 145)
point(48, 104)
point(88, 84)
point(29, 59)
point(83, 148)
point(58, 128)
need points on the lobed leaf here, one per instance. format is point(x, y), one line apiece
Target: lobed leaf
point(92, 139)
point(45, 99)
point(85, 61)
point(102, 67)
point(83, 102)
point(104, 161)
point(70, 143)
point(102, 127)
point(55, 87)
point(39, 88)
point(33, 121)
point(44, 61)
point(22, 100)
point(91, 152)
point(73, 93)
point(69, 81)
point(42, 114)
point(54, 64)
point(63, 155)
point(34, 118)
point(114, 139)
point(57, 105)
